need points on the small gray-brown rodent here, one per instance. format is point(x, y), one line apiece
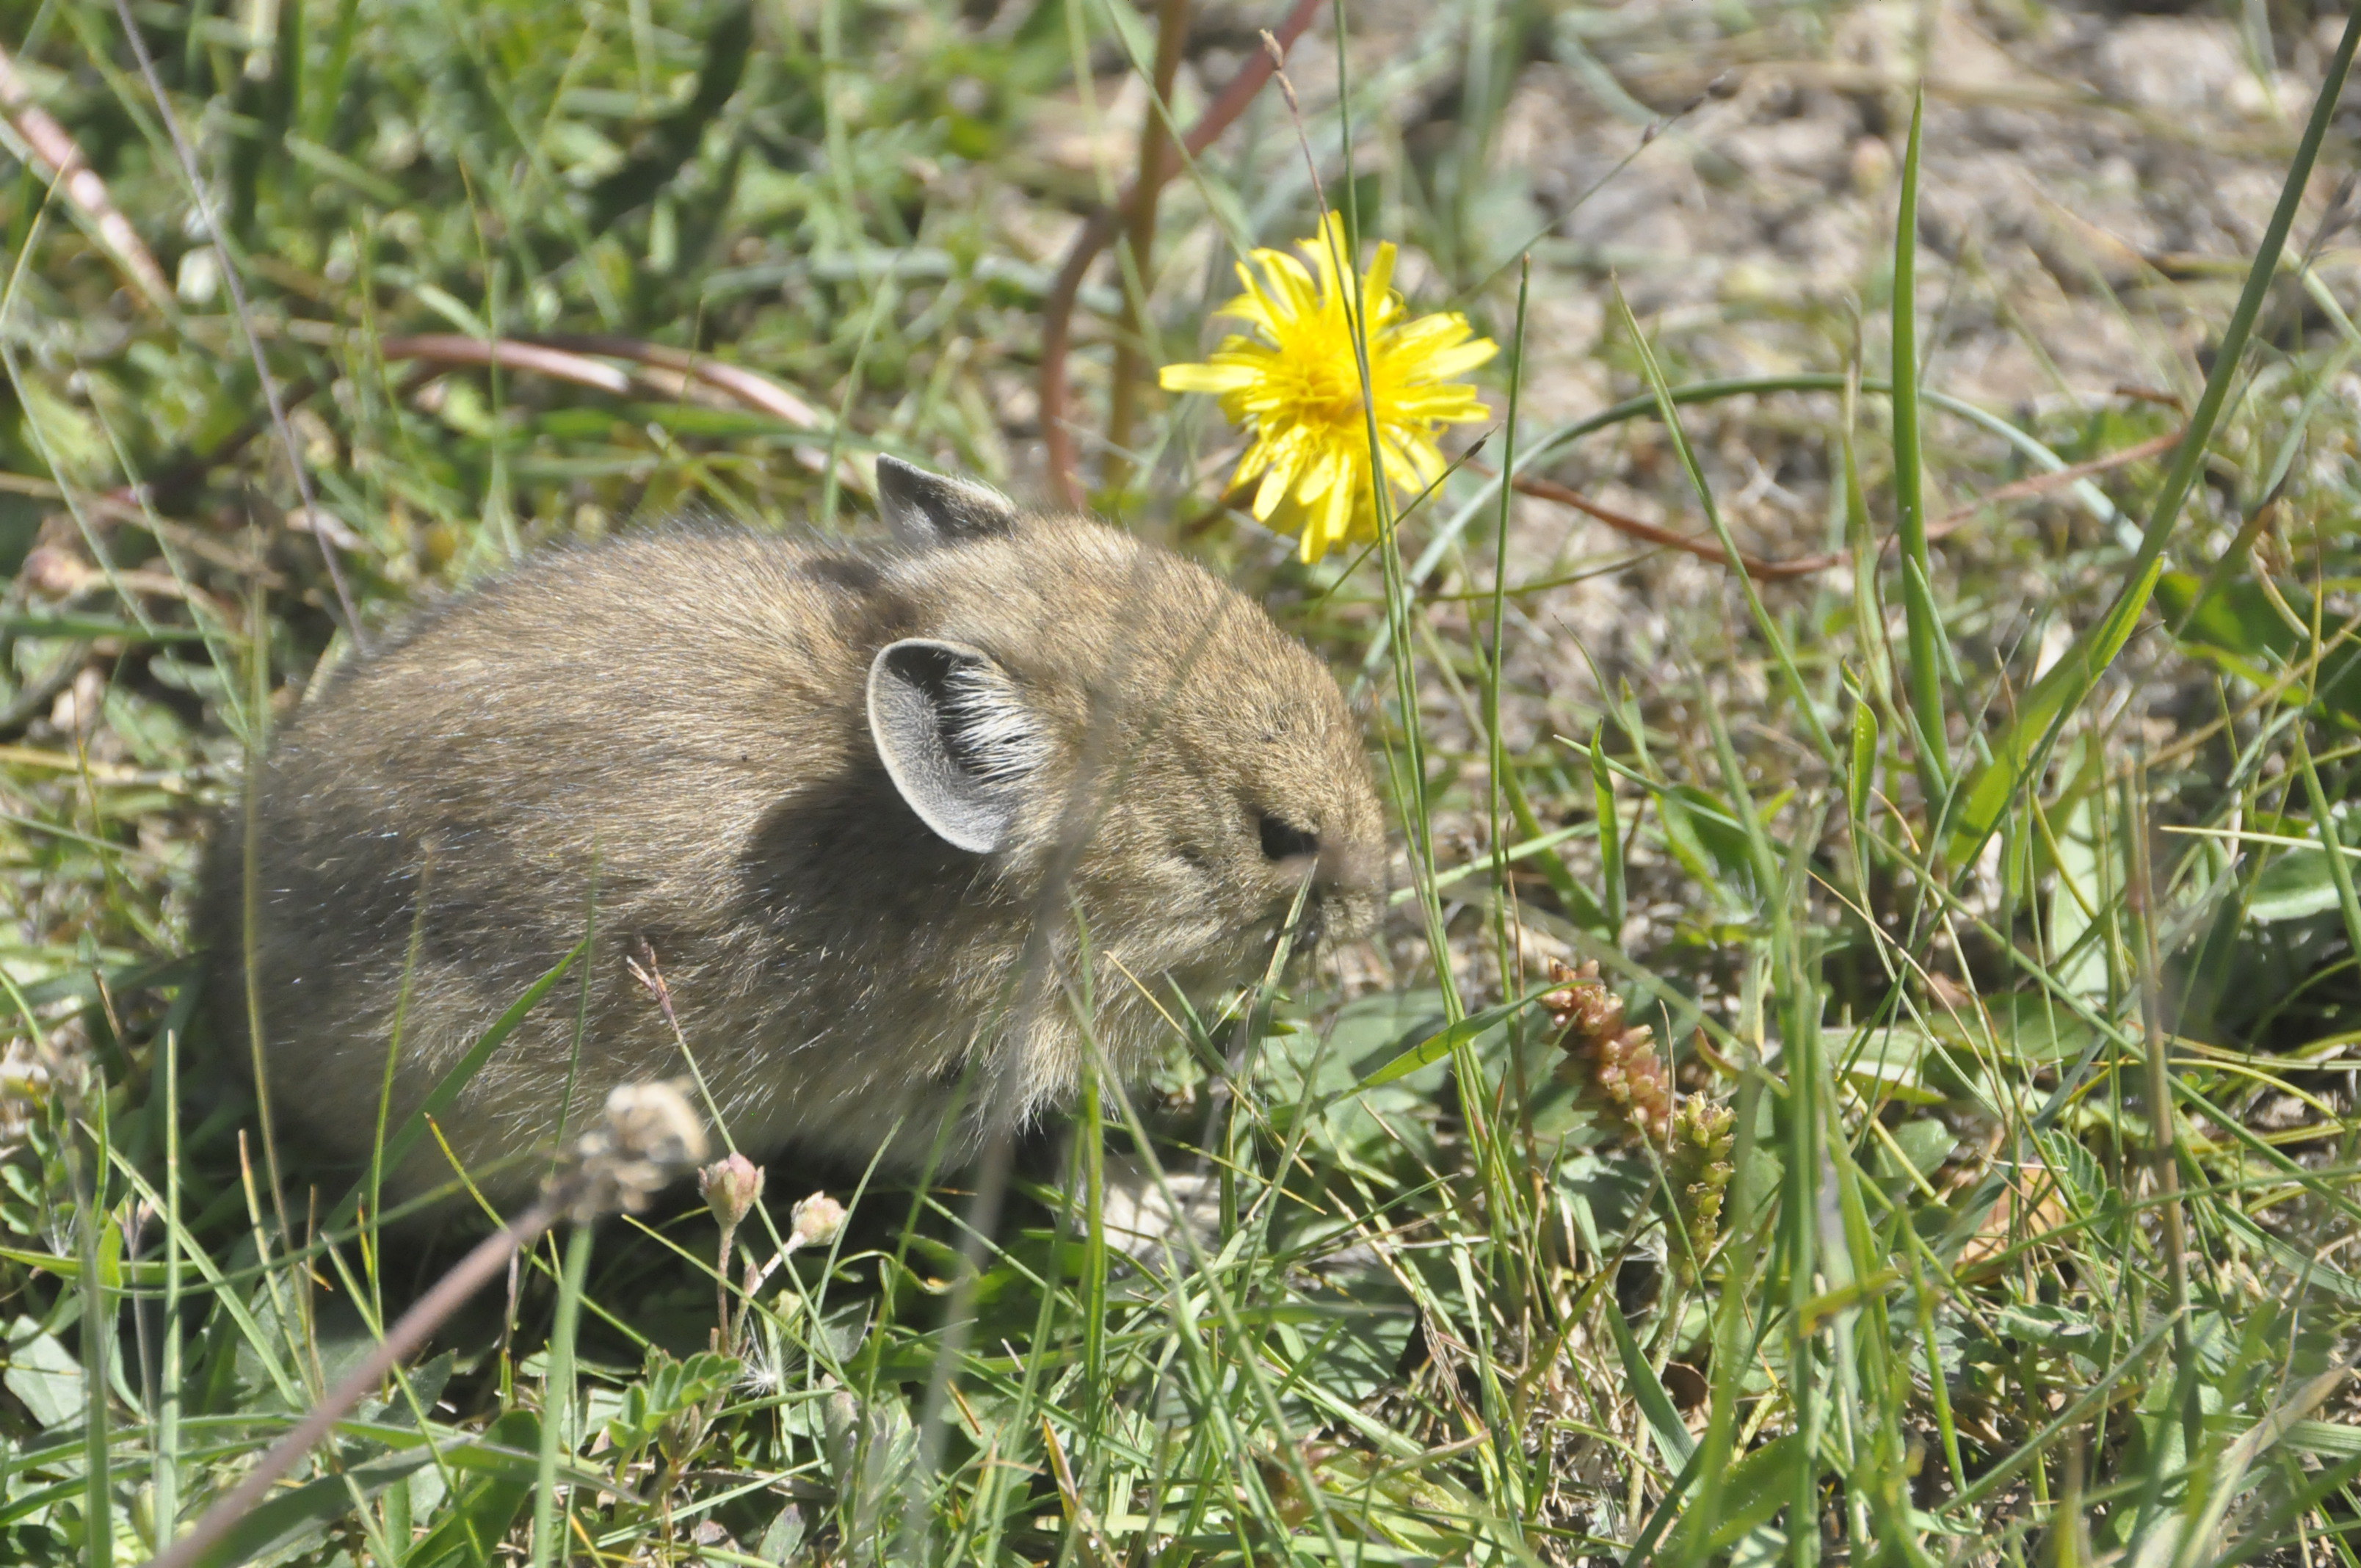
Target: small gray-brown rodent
point(889, 824)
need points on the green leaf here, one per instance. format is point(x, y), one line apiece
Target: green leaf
point(2043, 712)
point(2242, 628)
point(42, 1373)
point(666, 1390)
point(1863, 776)
point(2296, 885)
point(1925, 1142)
point(1664, 1423)
point(2237, 619)
point(1322, 1072)
point(1756, 1487)
point(1610, 837)
point(2053, 1326)
point(2331, 1438)
point(2030, 1029)
point(1922, 618)
point(1886, 1061)
point(303, 1514)
point(1432, 1049)
point(479, 1515)
point(306, 1513)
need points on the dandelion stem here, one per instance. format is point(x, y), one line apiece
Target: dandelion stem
point(1139, 241)
point(1058, 309)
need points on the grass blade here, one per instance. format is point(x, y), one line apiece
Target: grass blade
point(558, 1403)
point(448, 1087)
point(1440, 1043)
point(1610, 840)
point(1923, 623)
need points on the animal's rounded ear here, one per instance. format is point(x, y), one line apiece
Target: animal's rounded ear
point(956, 739)
point(926, 509)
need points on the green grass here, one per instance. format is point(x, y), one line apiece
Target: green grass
point(1990, 898)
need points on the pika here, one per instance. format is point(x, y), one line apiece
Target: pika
point(911, 835)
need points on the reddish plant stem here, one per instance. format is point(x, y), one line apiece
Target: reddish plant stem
point(51, 144)
point(1139, 242)
point(458, 348)
point(1704, 549)
point(566, 356)
point(751, 388)
point(1652, 533)
point(1099, 232)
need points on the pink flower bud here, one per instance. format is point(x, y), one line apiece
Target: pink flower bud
point(732, 1188)
point(816, 1221)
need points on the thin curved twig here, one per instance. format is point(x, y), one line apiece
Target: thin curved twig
point(1705, 549)
point(751, 388)
point(648, 1136)
point(458, 348)
point(70, 170)
point(565, 357)
point(2037, 484)
point(568, 358)
point(1099, 231)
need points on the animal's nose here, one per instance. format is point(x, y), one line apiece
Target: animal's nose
point(1351, 868)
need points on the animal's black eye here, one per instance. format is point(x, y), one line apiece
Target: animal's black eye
point(1284, 840)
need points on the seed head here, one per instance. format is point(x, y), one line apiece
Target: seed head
point(1606, 1058)
point(649, 1135)
point(1697, 1166)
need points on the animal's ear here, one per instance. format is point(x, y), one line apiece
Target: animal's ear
point(926, 509)
point(956, 737)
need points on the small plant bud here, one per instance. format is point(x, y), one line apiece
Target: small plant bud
point(816, 1221)
point(732, 1188)
point(51, 570)
point(23, 1091)
point(1582, 1006)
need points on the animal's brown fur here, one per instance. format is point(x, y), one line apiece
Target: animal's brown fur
point(666, 734)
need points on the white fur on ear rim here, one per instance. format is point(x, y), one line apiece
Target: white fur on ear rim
point(956, 739)
point(927, 510)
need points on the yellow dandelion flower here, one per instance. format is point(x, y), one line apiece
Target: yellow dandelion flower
point(1295, 386)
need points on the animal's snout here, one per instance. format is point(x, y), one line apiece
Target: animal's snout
point(1350, 870)
point(1346, 876)
point(1342, 901)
